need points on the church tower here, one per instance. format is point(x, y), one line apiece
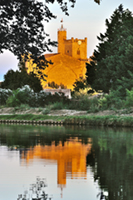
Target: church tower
point(76, 48)
point(61, 40)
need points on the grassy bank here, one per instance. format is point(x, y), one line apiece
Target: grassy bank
point(29, 117)
point(110, 120)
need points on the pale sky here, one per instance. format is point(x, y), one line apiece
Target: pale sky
point(86, 19)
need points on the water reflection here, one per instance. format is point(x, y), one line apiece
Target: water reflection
point(70, 158)
point(85, 162)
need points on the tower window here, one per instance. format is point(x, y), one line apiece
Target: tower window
point(78, 52)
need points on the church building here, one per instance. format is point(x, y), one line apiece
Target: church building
point(69, 63)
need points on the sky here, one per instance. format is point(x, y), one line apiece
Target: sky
point(86, 19)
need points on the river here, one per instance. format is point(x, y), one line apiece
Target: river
point(65, 163)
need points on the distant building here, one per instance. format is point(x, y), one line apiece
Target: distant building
point(69, 63)
point(66, 92)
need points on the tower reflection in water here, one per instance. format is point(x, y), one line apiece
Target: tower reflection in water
point(70, 158)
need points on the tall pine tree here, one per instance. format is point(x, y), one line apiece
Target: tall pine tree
point(112, 62)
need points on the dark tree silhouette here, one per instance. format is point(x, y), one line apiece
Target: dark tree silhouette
point(17, 79)
point(22, 29)
point(80, 83)
point(111, 66)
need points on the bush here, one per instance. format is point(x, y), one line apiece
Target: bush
point(129, 98)
point(20, 96)
point(26, 95)
point(111, 101)
point(94, 105)
point(81, 101)
point(46, 111)
point(4, 95)
point(58, 106)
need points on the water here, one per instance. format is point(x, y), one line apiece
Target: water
point(74, 163)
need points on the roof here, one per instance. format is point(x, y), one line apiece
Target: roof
point(50, 55)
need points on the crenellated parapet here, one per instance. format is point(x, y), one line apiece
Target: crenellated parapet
point(76, 48)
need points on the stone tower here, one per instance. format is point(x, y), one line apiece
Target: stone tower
point(76, 48)
point(61, 40)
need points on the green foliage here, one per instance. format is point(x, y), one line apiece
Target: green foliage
point(56, 86)
point(19, 96)
point(80, 94)
point(94, 105)
point(111, 66)
point(58, 106)
point(22, 29)
point(26, 95)
point(112, 101)
point(82, 104)
point(80, 83)
point(4, 94)
point(44, 98)
point(17, 79)
point(46, 111)
point(129, 98)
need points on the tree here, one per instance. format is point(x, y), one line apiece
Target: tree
point(111, 66)
point(55, 85)
point(22, 27)
point(17, 79)
point(80, 83)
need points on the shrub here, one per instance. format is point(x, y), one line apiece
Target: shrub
point(58, 106)
point(41, 98)
point(12, 101)
point(4, 95)
point(46, 111)
point(113, 100)
point(129, 98)
point(20, 96)
point(94, 105)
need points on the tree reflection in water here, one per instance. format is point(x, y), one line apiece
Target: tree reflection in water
point(110, 156)
point(103, 196)
point(111, 160)
point(36, 191)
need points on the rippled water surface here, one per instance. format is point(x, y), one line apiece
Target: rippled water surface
point(65, 162)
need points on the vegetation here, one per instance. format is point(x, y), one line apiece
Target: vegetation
point(110, 158)
point(111, 66)
point(56, 86)
point(79, 84)
point(108, 121)
point(17, 79)
point(26, 97)
point(22, 29)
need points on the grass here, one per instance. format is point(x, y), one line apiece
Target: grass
point(110, 120)
point(29, 117)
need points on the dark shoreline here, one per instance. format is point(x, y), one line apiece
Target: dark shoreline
point(107, 121)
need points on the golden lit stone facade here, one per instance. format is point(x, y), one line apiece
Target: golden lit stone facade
point(76, 48)
point(68, 64)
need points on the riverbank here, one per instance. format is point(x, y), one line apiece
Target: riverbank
point(82, 120)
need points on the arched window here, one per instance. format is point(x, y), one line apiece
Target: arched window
point(78, 52)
